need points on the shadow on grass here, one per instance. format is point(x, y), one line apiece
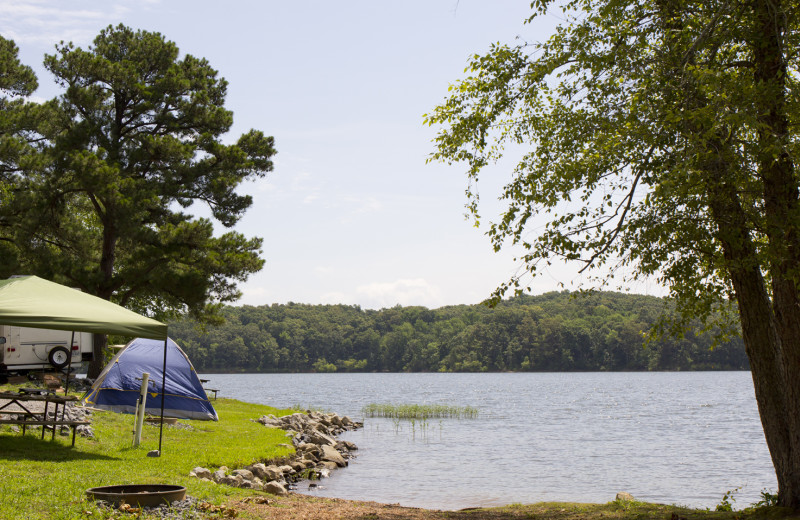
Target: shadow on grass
point(14, 446)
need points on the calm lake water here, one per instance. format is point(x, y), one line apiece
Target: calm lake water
point(677, 438)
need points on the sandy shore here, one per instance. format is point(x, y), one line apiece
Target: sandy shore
point(303, 507)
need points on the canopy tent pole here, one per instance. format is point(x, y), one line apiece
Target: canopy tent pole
point(163, 394)
point(66, 384)
point(69, 363)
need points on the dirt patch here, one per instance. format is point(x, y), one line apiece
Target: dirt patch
point(32, 406)
point(303, 507)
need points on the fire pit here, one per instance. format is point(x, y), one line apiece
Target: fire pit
point(144, 495)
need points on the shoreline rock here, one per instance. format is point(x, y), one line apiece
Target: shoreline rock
point(317, 453)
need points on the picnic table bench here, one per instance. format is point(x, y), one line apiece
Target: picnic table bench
point(214, 390)
point(25, 417)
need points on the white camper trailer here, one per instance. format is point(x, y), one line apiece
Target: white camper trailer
point(24, 348)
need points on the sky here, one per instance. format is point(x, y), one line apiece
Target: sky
point(351, 213)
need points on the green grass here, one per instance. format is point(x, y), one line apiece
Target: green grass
point(419, 411)
point(48, 479)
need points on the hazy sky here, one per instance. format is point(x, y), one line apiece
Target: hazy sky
point(351, 213)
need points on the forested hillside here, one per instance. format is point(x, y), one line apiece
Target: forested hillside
point(551, 332)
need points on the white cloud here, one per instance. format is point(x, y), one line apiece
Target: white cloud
point(47, 22)
point(413, 291)
point(37, 99)
point(335, 298)
point(363, 205)
point(382, 295)
point(301, 182)
point(263, 186)
point(252, 295)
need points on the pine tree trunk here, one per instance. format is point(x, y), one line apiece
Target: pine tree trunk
point(99, 346)
point(105, 291)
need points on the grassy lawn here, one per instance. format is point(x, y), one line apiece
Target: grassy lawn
point(48, 479)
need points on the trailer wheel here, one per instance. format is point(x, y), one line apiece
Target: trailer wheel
point(58, 357)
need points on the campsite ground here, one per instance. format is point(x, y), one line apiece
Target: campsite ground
point(48, 479)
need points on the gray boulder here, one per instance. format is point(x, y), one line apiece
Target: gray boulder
point(266, 473)
point(244, 473)
point(275, 488)
point(232, 480)
point(220, 474)
point(258, 469)
point(330, 454)
point(307, 463)
point(273, 473)
point(346, 446)
point(201, 473)
point(321, 439)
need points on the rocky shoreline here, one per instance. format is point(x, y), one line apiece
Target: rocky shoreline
point(317, 453)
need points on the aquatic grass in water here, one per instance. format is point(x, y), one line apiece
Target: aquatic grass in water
point(419, 411)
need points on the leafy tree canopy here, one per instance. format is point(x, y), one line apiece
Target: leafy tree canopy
point(16, 118)
point(16, 79)
point(660, 139)
point(137, 135)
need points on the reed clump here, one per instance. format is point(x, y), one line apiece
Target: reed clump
point(419, 411)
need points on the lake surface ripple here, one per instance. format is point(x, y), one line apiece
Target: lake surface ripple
point(678, 438)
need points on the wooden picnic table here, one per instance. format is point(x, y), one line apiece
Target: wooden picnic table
point(25, 399)
point(214, 390)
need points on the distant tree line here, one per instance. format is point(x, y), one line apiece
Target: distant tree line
point(550, 332)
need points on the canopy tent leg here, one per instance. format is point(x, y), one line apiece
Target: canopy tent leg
point(69, 362)
point(66, 388)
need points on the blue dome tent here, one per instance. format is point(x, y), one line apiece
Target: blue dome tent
point(117, 387)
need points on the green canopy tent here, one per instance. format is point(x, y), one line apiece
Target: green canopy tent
point(30, 301)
